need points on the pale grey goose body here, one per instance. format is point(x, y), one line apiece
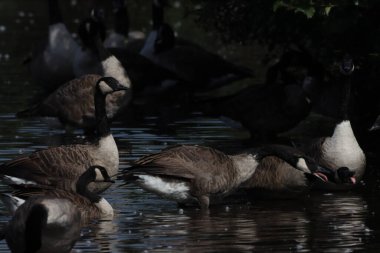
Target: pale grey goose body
point(90, 204)
point(190, 62)
point(52, 64)
point(194, 174)
point(64, 164)
point(342, 148)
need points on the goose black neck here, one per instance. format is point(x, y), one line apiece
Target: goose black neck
point(55, 15)
point(33, 226)
point(157, 14)
point(121, 18)
point(100, 50)
point(102, 125)
point(343, 110)
point(283, 152)
point(82, 186)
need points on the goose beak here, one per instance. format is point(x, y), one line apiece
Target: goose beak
point(321, 176)
point(353, 180)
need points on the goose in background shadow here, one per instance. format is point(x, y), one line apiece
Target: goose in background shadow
point(43, 224)
point(274, 107)
point(202, 175)
point(190, 62)
point(341, 149)
point(64, 164)
point(52, 63)
point(121, 36)
point(73, 102)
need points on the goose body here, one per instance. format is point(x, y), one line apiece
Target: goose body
point(51, 65)
point(341, 149)
point(66, 163)
point(44, 224)
point(264, 110)
point(190, 62)
point(196, 174)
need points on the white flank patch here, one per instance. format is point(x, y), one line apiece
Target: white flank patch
point(178, 191)
point(342, 149)
point(17, 181)
point(11, 202)
point(105, 208)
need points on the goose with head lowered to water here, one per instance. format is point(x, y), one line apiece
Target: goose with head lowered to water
point(64, 164)
point(195, 174)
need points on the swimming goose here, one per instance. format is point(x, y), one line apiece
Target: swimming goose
point(341, 149)
point(190, 62)
point(90, 205)
point(57, 164)
point(52, 64)
point(43, 224)
point(194, 174)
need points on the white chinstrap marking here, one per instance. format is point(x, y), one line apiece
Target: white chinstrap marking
point(105, 208)
point(301, 164)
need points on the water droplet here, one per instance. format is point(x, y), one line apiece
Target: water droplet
point(3, 28)
point(21, 14)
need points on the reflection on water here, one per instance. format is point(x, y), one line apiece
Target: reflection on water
point(339, 222)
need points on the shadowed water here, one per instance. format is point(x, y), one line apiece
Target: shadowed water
point(318, 222)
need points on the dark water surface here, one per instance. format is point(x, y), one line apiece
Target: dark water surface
point(319, 222)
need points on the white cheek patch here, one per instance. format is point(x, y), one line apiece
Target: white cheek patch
point(301, 164)
point(105, 88)
point(99, 177)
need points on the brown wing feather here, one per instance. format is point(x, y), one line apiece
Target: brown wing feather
point(50, 166)
point(74, 100)
point(185, 161)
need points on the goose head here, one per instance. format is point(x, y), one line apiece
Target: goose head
point(347, 65)
point(94, 173)
point(92, 32)
point(108, 85)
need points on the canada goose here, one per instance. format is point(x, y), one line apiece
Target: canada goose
point(58, 164)
point(51, 64)
point(193, 174)
point(341, 149)
point(190, 62)
point(121, 36)
point(43, 224)
point(275, 176)
point(94, 58)
point(90, 205)
point(265, 110)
